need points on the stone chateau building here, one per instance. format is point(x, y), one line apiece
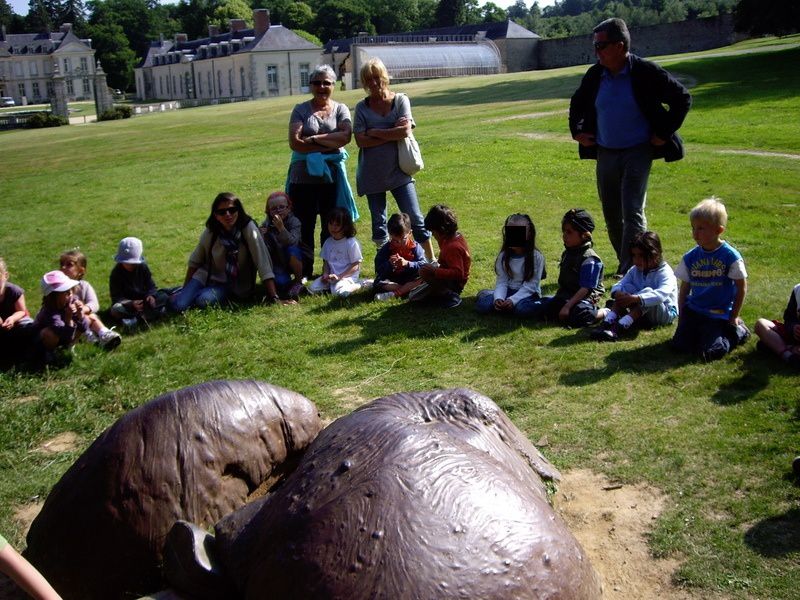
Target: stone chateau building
point(28, 62)
point(267, 60)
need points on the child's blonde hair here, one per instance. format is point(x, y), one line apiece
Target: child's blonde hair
point(711, 210)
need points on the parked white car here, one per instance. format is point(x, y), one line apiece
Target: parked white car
point(7, 101)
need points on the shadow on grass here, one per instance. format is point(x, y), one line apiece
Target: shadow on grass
point(777, 536)
point(754, 377)
point(655, 358)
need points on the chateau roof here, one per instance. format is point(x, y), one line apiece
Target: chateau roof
point(13, 44)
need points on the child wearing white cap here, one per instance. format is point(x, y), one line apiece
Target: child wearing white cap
point(134, 294)
point(59, 326)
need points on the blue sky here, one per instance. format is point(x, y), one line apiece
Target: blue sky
point(21, 6)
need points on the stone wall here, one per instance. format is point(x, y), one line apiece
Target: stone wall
point(656, 40)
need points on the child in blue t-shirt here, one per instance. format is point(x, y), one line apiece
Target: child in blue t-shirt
point(713, 287)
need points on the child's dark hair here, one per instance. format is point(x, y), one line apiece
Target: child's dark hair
point(442, 219)
point(530, 243)
point(341, 216)
point(76, 255)
point(650, 245)
point(399, 224)
point(242, 220)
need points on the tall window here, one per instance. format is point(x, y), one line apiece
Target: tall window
point(219, 83)
point(210, 84)
point(84, 64)
point(32, 68)
point(21, 88)
point(199, 87)
point(86, 88)
point(51, 89)
point(70, 87)
point(230, 82)
point(304, 72)
point(67, 66)
point(18, 69)
point(35, 86)
point(241, 80)
point(272, 79)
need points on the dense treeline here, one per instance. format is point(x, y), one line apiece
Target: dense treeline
point(121, 30)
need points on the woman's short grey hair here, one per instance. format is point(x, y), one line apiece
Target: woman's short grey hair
point(324, 70)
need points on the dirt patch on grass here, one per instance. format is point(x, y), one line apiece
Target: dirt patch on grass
point(63, 442)
point(26, 513)
point(762, 153)
point(611, 522)
point(22, 400)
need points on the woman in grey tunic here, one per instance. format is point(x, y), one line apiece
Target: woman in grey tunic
point(317, 181)
point(382, 119)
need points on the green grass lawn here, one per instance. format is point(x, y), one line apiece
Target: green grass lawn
point(717, 438)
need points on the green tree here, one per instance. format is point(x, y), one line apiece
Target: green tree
point(42, 15)
point(299, 15)
point(72, 11)
point(308, 36)
point(6, 13)
point(450, 12)
point(114, 53)
point(491, 13)
point(194, 16)
point(395, 16)
point(231, 9)
point(338, 19)
point(764, 17)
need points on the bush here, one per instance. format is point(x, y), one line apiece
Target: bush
point(120, 111)
point(45, 119)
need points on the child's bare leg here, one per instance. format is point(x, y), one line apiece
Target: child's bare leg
point(95, 324)
point(765, 330)
point(390, 286)
point(403, 290)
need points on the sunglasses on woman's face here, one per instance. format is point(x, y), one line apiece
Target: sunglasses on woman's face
point(603, 45)
point(323, 83)
point(231, 210)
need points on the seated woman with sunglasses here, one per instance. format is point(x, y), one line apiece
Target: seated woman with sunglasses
point(223, 266)
point(317, 180)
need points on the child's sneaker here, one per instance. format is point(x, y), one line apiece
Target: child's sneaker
point(130, 323)
point(366, 284)
point(109, 339)
point(296, 289)
point(423, 290)
point(384, 296)
point(91, 337)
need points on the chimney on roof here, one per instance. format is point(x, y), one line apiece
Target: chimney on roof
point(181, 38)
point(213, 30)
point(65, 27)
point(237, 25)
point(261, 19)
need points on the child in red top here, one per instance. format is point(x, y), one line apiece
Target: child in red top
point(445, 280)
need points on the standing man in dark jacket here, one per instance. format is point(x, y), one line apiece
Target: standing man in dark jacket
point(624, 114)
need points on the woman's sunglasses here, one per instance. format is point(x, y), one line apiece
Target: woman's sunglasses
point(231, 210)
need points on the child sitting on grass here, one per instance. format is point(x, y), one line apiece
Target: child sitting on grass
point(59, 323)
point(398, 261)
point(84, 299)
point(281, 231)
point(134, 295)
point(648, 292)
point(341, 257)
point(519, 269)
point(580, 276)
point(783, 338)
point(15, 320)
point(444, 281)
point(713, 287)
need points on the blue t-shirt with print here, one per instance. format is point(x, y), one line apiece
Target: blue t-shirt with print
point(713, 291)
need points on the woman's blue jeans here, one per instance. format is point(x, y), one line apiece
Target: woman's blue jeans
point(407, 202)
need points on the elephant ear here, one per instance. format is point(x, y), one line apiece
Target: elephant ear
point(195, 454)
